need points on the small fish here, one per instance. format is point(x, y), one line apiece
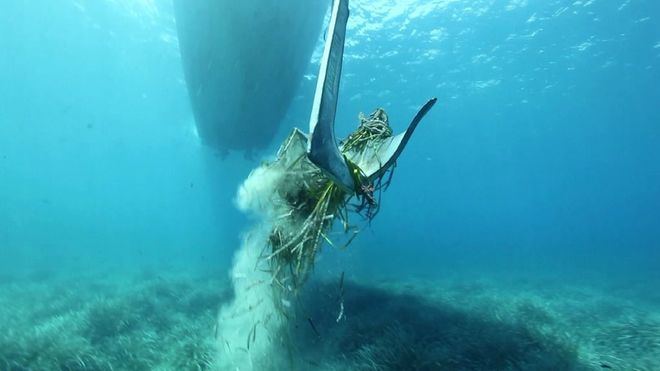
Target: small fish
point(313, 363)
point(311, 323)
point(605, 365)
point(252, 336)
point(341, 283)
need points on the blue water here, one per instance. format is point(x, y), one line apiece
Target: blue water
point(543, 146)
point(540, 159)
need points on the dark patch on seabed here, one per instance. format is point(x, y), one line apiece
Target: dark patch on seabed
point(382, 330)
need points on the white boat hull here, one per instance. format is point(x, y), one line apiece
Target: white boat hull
point(243, 62)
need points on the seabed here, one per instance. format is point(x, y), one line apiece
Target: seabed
point(167, 321)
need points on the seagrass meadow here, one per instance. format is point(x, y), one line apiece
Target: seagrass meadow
point(155, 321)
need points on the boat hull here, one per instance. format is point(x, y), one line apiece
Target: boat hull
point(243, 62)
